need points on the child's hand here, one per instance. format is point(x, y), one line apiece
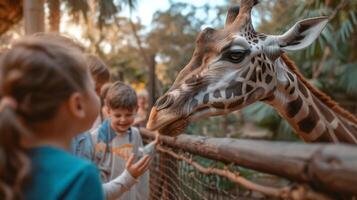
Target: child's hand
point(138, 168)
point(157, 138)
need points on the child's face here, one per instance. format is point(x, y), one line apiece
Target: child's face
point(85, 107)
point(121, 119)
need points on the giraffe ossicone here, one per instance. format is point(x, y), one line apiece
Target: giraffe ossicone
point(235, 66)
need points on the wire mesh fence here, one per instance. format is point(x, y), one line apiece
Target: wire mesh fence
point(195, 167)
point(180, 175)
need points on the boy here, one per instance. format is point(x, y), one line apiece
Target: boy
point(116, 139)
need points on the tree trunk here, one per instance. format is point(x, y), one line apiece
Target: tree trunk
point(151, 84)
point(54, 15)
point(11, 14)
point(34, 16)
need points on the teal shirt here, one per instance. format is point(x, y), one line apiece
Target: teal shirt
point(56, 174)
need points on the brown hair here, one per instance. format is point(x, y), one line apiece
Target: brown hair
point(104, 91)
point(121, 95)
point(39, 75)
point(60, 38)
point(97, 68)
point(103, 94)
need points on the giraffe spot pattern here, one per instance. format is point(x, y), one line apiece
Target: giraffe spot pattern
point(292, 90)
point(234, 89)
point(206, 98)
point(291, 77)
point(309, 122)
point(218, 105)
point(245, 73)
point(217, 94)
point(303, 89)
point(235, 103)
point(351, 129)
point(323, 109)
point(248, 88)
point(325, 137)
point(343, 135)
point(268, 78)
point(264, 67)
point(293, 107)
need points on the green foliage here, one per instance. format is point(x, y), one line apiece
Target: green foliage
point(348, 80)
point(173, 35)
point(106, 9)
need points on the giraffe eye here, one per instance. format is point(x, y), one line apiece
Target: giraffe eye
point(235, 56)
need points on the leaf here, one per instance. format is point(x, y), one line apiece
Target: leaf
point(348, 80)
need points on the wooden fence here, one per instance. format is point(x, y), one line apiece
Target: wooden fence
point(318, 171)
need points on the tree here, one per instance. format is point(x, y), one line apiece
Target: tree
point(11, 14)
point(173, 36)
point(34, 16)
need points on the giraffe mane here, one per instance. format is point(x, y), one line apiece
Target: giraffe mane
point(319, 94)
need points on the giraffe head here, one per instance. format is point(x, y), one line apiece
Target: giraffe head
point(231, 68)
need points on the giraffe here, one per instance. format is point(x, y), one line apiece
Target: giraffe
point(235, 66)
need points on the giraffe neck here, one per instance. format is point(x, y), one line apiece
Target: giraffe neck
point(310, 116)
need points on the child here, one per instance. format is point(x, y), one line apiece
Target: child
point(140, 119)
point(82, 145)
point(101, 76)
point(115, 139)
point(47, 98)
point(103, 96)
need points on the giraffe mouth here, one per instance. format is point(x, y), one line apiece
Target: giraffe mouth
point(166, 123)
point(174, 128)
point(171, 124)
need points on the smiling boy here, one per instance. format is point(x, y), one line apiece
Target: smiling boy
point(116, 139)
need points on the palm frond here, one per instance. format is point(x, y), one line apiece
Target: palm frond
point(77, 6)
point(348, 80)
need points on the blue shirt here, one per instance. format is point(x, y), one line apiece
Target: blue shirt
point(56, 174)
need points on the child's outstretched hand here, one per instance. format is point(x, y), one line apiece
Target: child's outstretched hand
point(138, 168)
point(157, 138)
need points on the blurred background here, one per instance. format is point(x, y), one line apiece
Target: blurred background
point(146, 43)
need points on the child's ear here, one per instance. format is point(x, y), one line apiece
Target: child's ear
point(76, 105)
point(109, 110)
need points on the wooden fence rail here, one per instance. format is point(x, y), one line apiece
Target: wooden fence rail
point(328, 167)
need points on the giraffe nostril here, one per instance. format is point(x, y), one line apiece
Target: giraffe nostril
point(164, 102)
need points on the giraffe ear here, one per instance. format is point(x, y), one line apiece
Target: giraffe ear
point(302, 34)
